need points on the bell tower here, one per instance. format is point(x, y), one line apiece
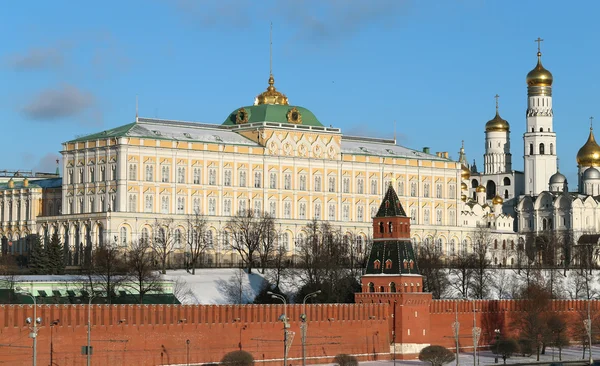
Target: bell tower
point(539, 138)
point(392, 277)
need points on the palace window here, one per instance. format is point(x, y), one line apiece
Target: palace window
point(177, 238)
point(123, 235)
point(242, 178)
point(272, 208)
point(257, 207)
point(303, 182)
point(452, 189)
point(373, 211)
point(346, 212)
point(273, 180)
point(103, 173)
point(287, 181)
point(91, 172)
point(212, 176)
point(425, 189)
point(132, 203)
point(257, 179)
point(197, 175)
point(132, 172)
point(438, 217)
point(317, 183)
point(426, 216)
point(227, 178)
point(212, 206)
point(180, 205)
point(80, 175)
point(181, 174)
point(413, 216)
point(413, 189)
point(164, 173)
point(164, 204)
point(346, 185)
point(360, 213)
point(148, 203)
point(317, 213)
point(438, 190)
point(331, 212)
point(227, 207)
point(373, 186)
point(400, 188)
point(196, 205)
point(287, 210)
point(331, 185)
point(242, 206)
point(302, 211)
point(360, 185)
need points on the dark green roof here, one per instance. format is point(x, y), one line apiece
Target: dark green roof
point(273, 113)
point(114, 132)
point(399, 252)
point(18, 185)
point(390, 206)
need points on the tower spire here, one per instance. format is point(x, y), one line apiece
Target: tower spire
point(591, 123)
point(539, 42)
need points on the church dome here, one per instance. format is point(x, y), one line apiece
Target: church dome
point(497, 124)
point(558, 178)
point(497, 200)
point(463, 186)
point(480, 189)
point(589, 154)
point(465, 172)
point(463, 198)
point(539, 76)
point(271, 95)
point(591, 173)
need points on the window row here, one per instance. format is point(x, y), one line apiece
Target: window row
point(96, 173)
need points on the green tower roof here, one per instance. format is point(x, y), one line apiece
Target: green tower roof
point(272, 113)
point(390, 206)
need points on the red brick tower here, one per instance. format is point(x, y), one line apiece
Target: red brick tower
point(392, 276)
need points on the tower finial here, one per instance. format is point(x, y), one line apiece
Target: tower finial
point(462, 143)
point(496, 97)
point(539, 42)
point(271, 50)
point(591, 123)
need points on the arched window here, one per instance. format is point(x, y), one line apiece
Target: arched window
point(506, 181)
point(381, 289)
point(377, 264)
point(388, 264)
point(123, 235)
point(145, 235)
point(544, 224)
point(505, 193)
point(530, 149)
point(551, 149)
point(390, 227)
point(371, 287)
point(381, 227)
point(474, 183)
point(541, 149)
point(541, 129)
point(392, 287)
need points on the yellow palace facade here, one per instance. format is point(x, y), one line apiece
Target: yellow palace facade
point(270, 157)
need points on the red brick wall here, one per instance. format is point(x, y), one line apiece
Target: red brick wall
point(151, 335)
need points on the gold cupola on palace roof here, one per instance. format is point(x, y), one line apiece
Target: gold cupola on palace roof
point(271, 95)
point(589, 154)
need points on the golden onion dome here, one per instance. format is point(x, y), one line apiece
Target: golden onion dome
point(11, 183)
point(463, 186)
point(465, 173)
point(497, 200)
point(589, 154)
point(539, 76)
point(497, 124)
point(463, 197)
point(271, 95)
point(480, 189)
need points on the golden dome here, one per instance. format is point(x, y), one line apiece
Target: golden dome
point(589, 154)
point(539, 76)
point(271, 96)
point(463, 186)
point(497, 200)
point(480, 189)
point(25, 182)
point(497, 124)
point(463, 197)
point(11, 183)
point(465, 172)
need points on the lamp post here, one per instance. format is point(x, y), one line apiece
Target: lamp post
point(88, 350)
point(456, 329)
point(55, 322)
point(304, 325)
point(476, 334)
point(36, 321)
point(497, 331)
point(285, 323)
point(588, 326)
point(187, 346)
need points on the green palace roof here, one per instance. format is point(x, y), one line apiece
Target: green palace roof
point(272, 113)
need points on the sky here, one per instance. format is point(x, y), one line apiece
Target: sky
point(431, 68)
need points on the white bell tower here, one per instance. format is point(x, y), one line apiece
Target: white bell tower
point(497, 157)
point(539, 138)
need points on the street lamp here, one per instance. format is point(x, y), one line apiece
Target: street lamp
point(54, 322)
point(497, 331)
point(456, 329)
point(304, 325)
point(286, 325)
point(35, 321)
point(588, 325)
point(187, 345)
point(88, 349)
point(476, 334)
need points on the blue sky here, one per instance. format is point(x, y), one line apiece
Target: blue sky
point(69, 68)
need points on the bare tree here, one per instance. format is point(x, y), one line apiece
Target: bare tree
point(483, 239)
point(268, 242)
point(196, 240)
point(106, 271)
point(9, 275)
point(142, 270)
point(235, 290)
point(248, 231)
point(163, 241)
point(462, 268)
point(531, 322)
point(278, 266)
point(183, 292)
point(435, 278)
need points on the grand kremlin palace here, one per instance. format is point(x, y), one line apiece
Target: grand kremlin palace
point(270, 156)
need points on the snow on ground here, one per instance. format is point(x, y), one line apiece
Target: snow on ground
point(214, 285)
